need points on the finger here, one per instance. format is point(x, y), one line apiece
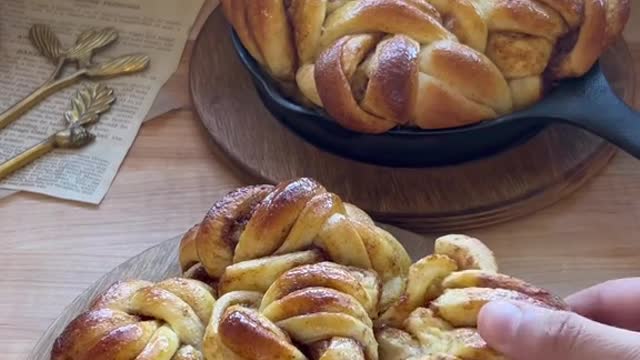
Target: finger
point(615, 303)
point(524, 332)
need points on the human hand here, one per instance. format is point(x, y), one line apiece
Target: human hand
point(605, 325)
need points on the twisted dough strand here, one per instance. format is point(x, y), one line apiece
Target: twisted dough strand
point(295, 266)
point(255, 234)
point(377, 64)
point(324, 307)
point(140, 320)
point(437, 315)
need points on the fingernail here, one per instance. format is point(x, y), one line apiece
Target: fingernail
point(498, 323)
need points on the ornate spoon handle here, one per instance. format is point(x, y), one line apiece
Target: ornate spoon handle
point(26, 104)
point(27, 157)
point(86, 107)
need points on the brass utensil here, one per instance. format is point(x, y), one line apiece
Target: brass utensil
point(86, 107)
point(87, 43)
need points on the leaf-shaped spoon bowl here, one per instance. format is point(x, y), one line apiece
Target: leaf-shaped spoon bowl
point(88, 42)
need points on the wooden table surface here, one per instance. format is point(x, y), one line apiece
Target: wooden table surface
point(52, 250)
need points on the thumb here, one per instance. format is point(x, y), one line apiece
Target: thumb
point(525, 332)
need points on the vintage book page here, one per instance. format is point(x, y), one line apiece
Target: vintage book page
point(159, 29)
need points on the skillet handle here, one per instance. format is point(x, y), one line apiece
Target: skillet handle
point(591, 104)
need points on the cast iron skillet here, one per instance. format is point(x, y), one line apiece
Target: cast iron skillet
point(587, 102)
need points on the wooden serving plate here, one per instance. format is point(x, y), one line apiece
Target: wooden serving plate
point(159, 263)
point(516, 182)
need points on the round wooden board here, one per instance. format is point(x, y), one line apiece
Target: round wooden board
point(161, 262)
point(513, 183)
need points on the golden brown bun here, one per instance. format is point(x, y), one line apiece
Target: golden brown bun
point(437, 315)
point(377, 64)
point(255, 234)
point(322, 309)
point(299, 271)
point(140, 320)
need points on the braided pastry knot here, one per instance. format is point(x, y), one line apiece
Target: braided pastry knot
point(140, 320)
point(324, 308)
point(257, 233)
point(376, 64)
point(294, 266)
point(437, 315)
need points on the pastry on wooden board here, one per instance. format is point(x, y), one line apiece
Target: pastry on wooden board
point(293, 272)
point(140, 320)
point(377, 64)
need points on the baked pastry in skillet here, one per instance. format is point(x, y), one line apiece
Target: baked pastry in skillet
point(373, 65)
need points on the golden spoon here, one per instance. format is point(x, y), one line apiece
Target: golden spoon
point(81, 53)
point(86, 107)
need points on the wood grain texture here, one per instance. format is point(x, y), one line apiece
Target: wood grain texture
point(511, 184)
point(161, 262)
point(53, 250)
